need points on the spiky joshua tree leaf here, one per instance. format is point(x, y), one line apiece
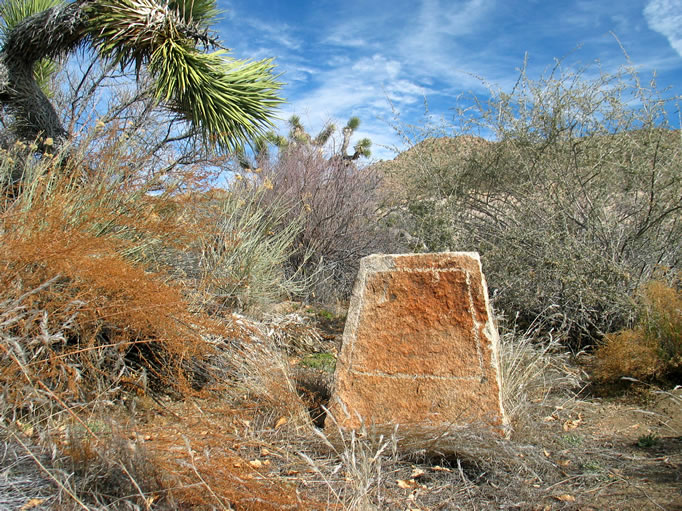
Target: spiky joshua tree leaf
point(230, 100)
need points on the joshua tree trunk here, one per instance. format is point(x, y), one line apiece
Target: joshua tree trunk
point(51, 33)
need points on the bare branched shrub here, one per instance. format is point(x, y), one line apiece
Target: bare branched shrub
point(104, 108)
point(573, 203)
point(337, 202)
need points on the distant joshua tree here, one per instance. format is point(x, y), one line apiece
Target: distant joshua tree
point(230, 101)
point(298, 136)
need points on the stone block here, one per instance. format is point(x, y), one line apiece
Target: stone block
point(420, 346)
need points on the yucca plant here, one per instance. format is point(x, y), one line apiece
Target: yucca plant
point(230, 101)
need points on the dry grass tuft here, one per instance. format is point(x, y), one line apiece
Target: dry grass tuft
point(534, 364)
point(251, 368)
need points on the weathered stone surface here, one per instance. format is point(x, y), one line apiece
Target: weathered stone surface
point(419, 346)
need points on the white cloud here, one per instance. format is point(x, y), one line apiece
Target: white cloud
point(366, 87)
point(452, 18)
point(365, 58)
point(360, 80)
point(361, 84)
point(377, 65)
point(405, 92)
point(280, 34)
point(665, 17)
point(438, 47)
point(340, 39)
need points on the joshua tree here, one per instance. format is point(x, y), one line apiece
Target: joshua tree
point(362, 148)
point(299, 136)
point(230, 101)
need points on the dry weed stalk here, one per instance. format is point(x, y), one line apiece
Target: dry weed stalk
point(354, 475)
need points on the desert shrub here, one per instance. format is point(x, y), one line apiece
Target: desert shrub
point(336, 201)
point(245, 240)
point(652, 349)
point(109, 275)
point(97, 306)
point(573, 199)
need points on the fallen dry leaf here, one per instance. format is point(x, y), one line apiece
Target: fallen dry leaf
point(256, 463)
point(281, 422)
point(402, 483)
point(565, 498)
point(417, 472)
point(26, 428)
point(572, 424)
point(569, 425)
point(438, 468)
point(32, 503)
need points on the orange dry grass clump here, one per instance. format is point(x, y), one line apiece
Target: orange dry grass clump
point(81, 315)
point(653, 347)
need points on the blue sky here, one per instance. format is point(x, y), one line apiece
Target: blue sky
point(372, 58)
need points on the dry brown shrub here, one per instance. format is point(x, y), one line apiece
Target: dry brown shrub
point(82, 312)
point(653, 347)
point(626, 353)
